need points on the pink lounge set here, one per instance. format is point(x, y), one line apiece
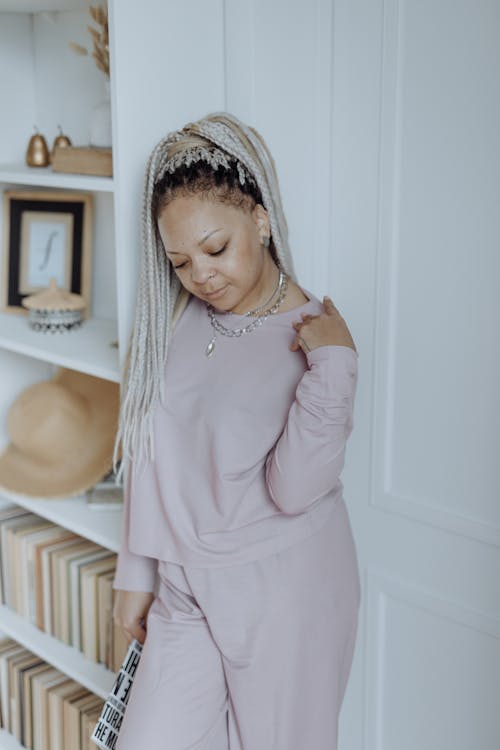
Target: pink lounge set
point(241, 515)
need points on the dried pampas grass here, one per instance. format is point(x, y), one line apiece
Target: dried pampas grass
point(100, 39)
point(78, 48)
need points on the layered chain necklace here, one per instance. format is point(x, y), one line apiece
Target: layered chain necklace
point(281, 288)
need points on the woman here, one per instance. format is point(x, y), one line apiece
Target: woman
point(233, 446)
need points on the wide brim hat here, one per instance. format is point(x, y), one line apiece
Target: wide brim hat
point(62, 434)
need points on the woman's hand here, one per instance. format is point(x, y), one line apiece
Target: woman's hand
point(130, 608)
point(321, 330)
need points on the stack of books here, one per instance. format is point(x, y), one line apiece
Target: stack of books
point(62, 583)
point(41, 706)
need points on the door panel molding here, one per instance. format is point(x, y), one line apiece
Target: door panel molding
point(248, 61)
point(381, 591)
point(425, 509)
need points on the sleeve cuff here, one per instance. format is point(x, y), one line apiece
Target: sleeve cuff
point(135, 573)
point(334, 352)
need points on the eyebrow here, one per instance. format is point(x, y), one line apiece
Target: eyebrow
point(200, 242)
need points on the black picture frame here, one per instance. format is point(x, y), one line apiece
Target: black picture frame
point(46, 234)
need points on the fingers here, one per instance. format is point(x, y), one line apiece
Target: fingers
point(136, 631)
point(304, 345)
point(296, 345)
point(128, 636)
point(306, 318)
point(298, 342)
point(131, 609)
point(328, 304)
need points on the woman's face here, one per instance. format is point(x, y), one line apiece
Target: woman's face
point(215, 247)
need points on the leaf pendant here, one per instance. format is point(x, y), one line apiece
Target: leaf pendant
point(210, 348)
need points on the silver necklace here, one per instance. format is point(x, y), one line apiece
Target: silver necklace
point(262, 307)
point(282, 287)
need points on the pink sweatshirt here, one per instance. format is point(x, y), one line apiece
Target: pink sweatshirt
point(249, 447)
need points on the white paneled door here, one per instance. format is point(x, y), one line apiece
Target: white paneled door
point(415, 201)
point(383, 117)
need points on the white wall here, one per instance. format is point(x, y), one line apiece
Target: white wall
point(383, 118)
point(17, 86)
point(275, 74)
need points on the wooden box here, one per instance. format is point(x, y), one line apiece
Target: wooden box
point(83, 160)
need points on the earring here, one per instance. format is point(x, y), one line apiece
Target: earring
point(265, 240)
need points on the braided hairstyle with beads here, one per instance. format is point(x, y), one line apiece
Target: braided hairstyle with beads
point(161, 296)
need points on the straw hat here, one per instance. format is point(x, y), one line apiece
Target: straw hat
point(62, 435)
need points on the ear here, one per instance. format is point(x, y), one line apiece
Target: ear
point(261, 219)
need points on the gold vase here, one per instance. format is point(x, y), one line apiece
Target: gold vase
point(37, 153)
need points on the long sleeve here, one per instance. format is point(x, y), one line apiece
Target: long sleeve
point(308, 458)
point(133, 572)
point(245, 441)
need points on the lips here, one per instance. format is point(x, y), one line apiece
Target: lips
point(216, 292)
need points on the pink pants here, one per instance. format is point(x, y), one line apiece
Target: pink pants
point(253, 656)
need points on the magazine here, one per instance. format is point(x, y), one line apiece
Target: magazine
point(105, 734)
point(106, 494)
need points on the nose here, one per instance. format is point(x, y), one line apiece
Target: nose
point(200, 272)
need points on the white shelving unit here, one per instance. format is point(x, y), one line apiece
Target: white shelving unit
point(91, 349)
point(101, 526)
point(68, 659)
point(20, 174)
point(8, 741)
point(34, 39)
point(46, 85)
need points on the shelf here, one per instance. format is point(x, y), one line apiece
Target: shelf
point(100, 526)
point(86, 349)
point(21, 174)
point(40, 6)
point(9, 742)
point(94, 677)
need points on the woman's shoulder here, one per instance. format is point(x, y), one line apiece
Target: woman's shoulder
point(295, 297)
point(301, 297)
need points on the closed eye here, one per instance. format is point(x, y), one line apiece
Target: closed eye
point(218, 252)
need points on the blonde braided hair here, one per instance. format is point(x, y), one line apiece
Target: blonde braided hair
point(161, 296)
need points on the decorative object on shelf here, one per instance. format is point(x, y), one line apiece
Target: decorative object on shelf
point(60, 141)
point(100, 39)
point(100, 121)
point(62, 434)
point(110, 498)
point(48, 234)
point(54, 309)
point(37, 153)
point(83, 160)
point(106, 494)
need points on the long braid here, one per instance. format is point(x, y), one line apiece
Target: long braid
point(161, 297)
point(269, 187)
